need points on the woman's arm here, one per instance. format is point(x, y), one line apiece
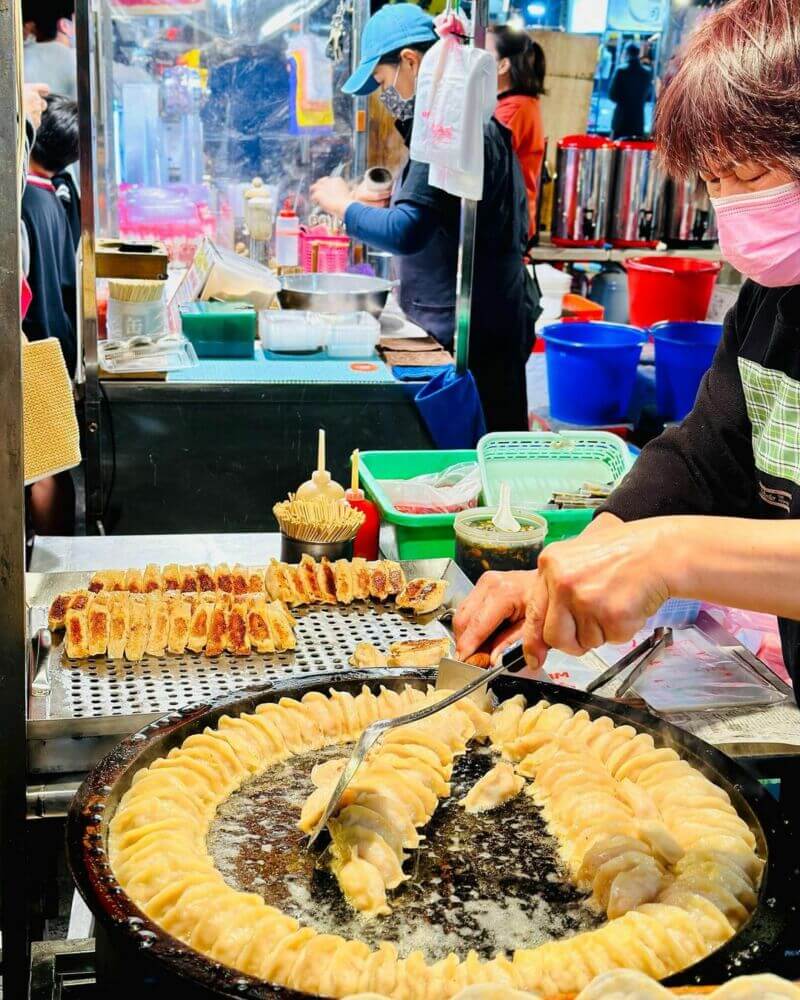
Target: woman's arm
point(403, 229)
point(602, 587)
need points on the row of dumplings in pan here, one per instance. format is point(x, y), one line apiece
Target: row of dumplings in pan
point(625, 984)
point(121, 625)
point(309, 582)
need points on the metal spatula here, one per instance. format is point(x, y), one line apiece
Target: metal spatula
point(448, 671)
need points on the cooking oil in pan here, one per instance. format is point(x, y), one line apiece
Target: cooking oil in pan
point(491, 882)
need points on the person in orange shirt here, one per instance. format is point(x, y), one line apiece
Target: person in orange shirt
point(520, 80)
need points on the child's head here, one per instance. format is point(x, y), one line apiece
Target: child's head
point(57, 143)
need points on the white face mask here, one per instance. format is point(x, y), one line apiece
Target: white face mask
point(399, 107)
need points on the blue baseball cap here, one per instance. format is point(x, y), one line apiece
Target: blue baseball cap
point(395, 26)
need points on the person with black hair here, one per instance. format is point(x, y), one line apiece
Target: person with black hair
point(521, 69)
point(422, 226)
point(631, 89)
point(49, 53)
point(51, 275)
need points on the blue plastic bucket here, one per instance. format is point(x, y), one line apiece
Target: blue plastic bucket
point(591, 371)
point(684, 352)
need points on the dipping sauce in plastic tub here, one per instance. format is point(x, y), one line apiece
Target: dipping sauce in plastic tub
point(481, 547)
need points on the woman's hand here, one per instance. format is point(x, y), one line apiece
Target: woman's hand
point(597, 588)
point(332, 194)
point(498, 599)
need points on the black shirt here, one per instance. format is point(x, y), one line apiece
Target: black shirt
point(503, 301)
point(52, 271)
point(631, 88)
point(737, 453)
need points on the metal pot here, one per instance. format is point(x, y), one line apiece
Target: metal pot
point(584, 168)
point(638, 194)
point(334, 293)
point(688, 215)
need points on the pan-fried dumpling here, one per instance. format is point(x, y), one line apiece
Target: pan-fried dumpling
point(379, 586)
point(255, 580)
point(363, 887)
point(367, 656)
point(98, 616)
point(180, 620)
point(280, 583)
point(152, 580)
point(495, 788)
point(348, 839)
point(395, 577)
point(171, 577)
point(343, 578)
point(116, 579)
point(134, 581)
point(419, 652)
point(422, 596)
point(199, 624)
point(326, 579)
point(118, 626)
point(258, 628)
point(361, 579)
point(239, 579)
point(159, 625)
point(238, 638)
point(505, 720)
point(224, 578)
point(307, 570)
point(189, 582)
point(280, 627)
point(57, 615)
point(624, 984)
point(763, 987)
point(138, 627)
point(217, 639)
point(206, 581)
point(101, 580)
point(77, 626)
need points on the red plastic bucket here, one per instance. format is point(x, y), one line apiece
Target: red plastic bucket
point(669, 288)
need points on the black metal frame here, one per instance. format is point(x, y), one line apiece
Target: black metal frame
point(13, 682)
point(133, 950)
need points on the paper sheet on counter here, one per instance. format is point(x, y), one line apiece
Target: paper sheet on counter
point(775, 724)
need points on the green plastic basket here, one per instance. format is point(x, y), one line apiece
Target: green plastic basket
point(418, 536)
point(540, 463)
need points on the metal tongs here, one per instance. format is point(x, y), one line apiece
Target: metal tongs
point(448, 672)
point(643, 652)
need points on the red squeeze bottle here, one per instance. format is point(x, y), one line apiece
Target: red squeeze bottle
point(365, 544)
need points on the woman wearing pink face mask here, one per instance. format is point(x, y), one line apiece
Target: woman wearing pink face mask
point(709, 510)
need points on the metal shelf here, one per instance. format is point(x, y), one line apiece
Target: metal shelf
point(547, 252)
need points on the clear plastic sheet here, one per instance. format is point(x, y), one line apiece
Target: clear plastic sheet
point(453, 489)
point(695, 674)
point(197, 97)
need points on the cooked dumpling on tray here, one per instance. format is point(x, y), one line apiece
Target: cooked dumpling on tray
point(422, 596)
point(419, 652)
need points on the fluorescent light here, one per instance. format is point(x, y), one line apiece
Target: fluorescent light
point(537, 9)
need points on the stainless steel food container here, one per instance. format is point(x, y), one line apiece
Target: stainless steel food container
point(334, 293)
point(688, 215)
point(639, 192)
point(584, 174)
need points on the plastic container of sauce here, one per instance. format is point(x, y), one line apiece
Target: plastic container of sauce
point(481, 547)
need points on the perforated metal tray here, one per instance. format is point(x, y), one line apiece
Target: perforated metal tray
point(112, 697)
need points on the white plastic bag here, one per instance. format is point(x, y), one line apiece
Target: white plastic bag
point(456, 97)
point(446, 492)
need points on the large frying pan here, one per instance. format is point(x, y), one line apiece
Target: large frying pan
point(135, 958)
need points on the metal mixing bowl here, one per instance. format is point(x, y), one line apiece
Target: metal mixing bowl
point(334, 293)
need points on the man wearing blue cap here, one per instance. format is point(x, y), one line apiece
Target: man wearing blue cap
point(422, 226)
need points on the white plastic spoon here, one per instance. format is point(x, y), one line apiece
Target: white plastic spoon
point(504, 520)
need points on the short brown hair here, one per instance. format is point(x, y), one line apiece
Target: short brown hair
point(736, 96)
